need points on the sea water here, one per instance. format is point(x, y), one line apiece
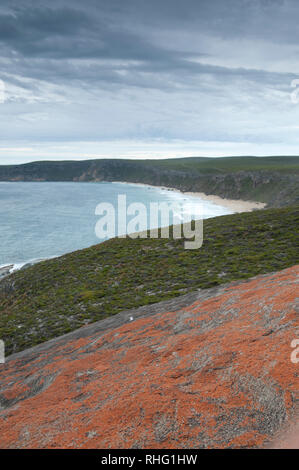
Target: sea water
point(40, 220)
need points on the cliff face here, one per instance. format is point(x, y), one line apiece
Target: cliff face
point(273, 188)
point(210, 369)
point(271, 180)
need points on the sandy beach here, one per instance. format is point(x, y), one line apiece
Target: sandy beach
point(235, 205)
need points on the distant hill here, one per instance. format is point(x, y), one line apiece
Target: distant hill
point(273, 180)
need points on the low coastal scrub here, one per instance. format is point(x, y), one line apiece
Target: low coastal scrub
point(59, 295)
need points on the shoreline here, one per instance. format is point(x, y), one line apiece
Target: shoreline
point(7, 269)
point(235, 205)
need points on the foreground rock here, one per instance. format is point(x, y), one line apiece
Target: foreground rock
point(211, 369)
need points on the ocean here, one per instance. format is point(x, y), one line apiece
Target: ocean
point(42, 220)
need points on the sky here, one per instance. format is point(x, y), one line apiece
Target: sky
point(148, 79)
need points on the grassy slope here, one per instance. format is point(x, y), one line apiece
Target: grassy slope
point(229, 164)
point(59, 295)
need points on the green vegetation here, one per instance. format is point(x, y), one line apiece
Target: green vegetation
point(59, 295)
point(229, 164)
point(273, 180)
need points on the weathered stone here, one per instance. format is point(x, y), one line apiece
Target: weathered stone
point(209, 369)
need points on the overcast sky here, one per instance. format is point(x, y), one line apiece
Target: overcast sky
point(148, 78)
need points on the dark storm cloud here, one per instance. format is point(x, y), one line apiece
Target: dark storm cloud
point(49, 35)
point(272, 19)
point(71, 33)
point(108, 29)
point(125, 31)
point(28, 31)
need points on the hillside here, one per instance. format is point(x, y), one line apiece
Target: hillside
point(62, 294)
point(209, 370)
point(273, 180)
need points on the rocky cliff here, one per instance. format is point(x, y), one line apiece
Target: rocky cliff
point(273, 180)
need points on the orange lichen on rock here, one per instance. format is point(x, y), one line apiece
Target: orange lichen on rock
point(214, 372)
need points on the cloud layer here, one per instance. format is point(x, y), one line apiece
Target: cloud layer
point(108, 78)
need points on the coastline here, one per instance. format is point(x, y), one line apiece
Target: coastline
point(6, 269)
point(235, 205)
